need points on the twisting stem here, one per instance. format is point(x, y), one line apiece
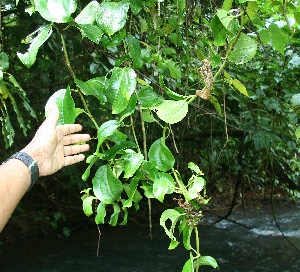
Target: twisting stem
point(86, 108)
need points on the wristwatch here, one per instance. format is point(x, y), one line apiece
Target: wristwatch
point(31, 164)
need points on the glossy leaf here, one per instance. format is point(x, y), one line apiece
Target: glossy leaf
point(120, 145)
point(100, 213)
point(219, 31)
point(189, 265)
point(107, 188)
point(207, 260)
point(65, 104)
point(130, 190)
point(131, 108)
point(58, 11)
point(197, 185)
point(278, 38)
point(92, 32)
point(160, 156)
point(94, 86)
point(121, 86)
point(4, 62)
point(115, 216)
point(132, 162)
point(173, 69)
point(106, 130)
point(88, 15)
point(163, 184)
point(244, 49)
point(87, 205)
point(36, 40)
point(295, 100)
point(111, 16)
point(172, 111)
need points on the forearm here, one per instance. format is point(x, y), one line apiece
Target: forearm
point(14, 183)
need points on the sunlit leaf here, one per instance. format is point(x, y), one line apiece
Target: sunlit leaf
point(172, 111)
point(111, 16)
point(106, 186)
point(160, 156)
point(132, 162)
point(295, 100)
point(94, 86)
point(105, 130)
point(134, 51)
point(88, 15)
point(115, 216)
point(244, 49)
point(207, 260)
point(58, 11)
point(87, 205)
point(36, 40)
point(100, 213)
point(148, 98)
point(65, 104)
point(121, 86)
point(92, 32)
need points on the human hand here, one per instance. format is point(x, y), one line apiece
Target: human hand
point(54, 147)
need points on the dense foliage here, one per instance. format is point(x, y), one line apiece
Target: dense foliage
point(215, 83)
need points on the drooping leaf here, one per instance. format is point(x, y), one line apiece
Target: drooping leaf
point(36, 40)
point(132, 162)
point(160, 156)
point(105, 130)
point(94, 86)
point(173, 69)
point(88, 15)
point(65, 104)
point(121, 86)
point(297, 133)
point(134, 51)
point(115, 216)
point(207, 260)
point(197, 185)
point(163, 184)
point(4, 62)
point(58, 11)
point(101, 213)
point(189, 265)
point(131, 108)
point(111, 16)
point(107, 188)
point(278, 37)
point(244, 49)
point(172, 111)
point(219, 31)
point(87, 205)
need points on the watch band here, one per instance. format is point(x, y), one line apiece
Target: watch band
point(31, 164)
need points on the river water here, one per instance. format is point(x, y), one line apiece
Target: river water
point(260, 247)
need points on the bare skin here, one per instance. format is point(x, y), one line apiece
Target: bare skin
point(52, 147)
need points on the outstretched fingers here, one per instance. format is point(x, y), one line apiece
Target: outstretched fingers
point(69, 160)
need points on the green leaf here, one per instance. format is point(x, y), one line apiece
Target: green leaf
point(278, 38)
point(197, 186)
point(174, 216)
point(119, 146)
point(94, 86)
point(101, 213)
point(134, 51)
point(58, 11)
point(163, 184)
point(227, 5)
point(121, 86)
point(111, 17)
point(207, 260)
point(244, 49)
point(148, 116)
point(88, 15)
point(173, 69)
point(224, 18)
point(188, 266)
point(92, 32)
point(148, 98)
point(42, 34)
point(172, 111)
point(240, 87)
point(4, 61)
point(216, 104)
point(219, 31)
point(130, 191)
point(105, 130)
point(115, 216)
point(87, 205)
point(297, 133)
point(264, 139)
point(107, 188)
point(194, 168)
point(252, 9)
point(132, 162)
point(160, 156)
point(186, 237)
point(295, 100)
point(131, 108)
point(65, 104)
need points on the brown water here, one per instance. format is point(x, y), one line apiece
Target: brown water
point(129, 249)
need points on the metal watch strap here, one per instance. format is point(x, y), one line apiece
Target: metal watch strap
point(31, 164)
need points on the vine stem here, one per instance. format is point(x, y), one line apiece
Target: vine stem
point(229, 50)
point(197, 247)
point(74, 77)
point(146, 158)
